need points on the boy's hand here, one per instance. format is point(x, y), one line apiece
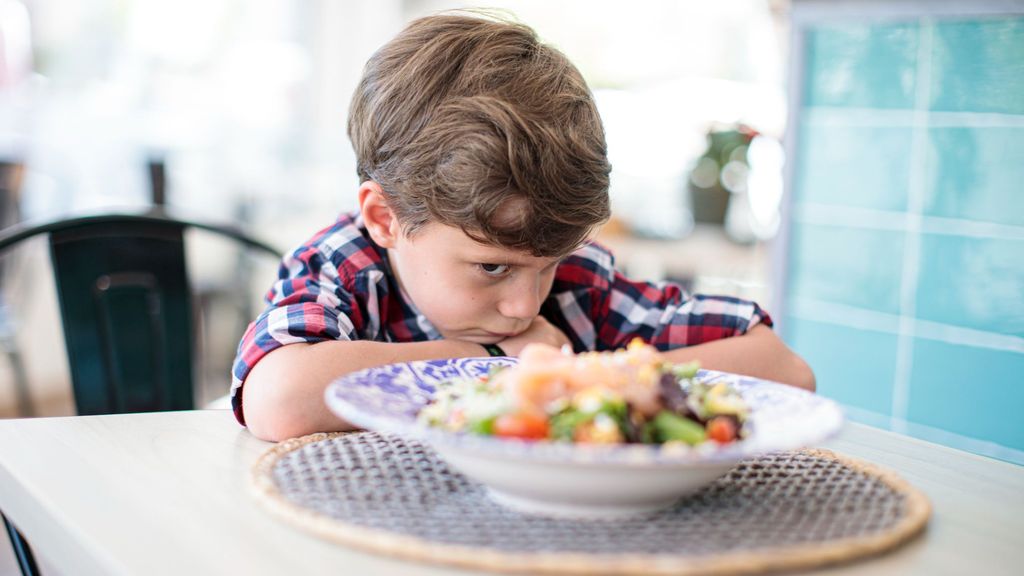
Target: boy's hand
point(540, 330)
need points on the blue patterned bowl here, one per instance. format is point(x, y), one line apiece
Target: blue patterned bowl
point(578, 480)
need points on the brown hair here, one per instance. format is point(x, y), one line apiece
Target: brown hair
point(461, 118)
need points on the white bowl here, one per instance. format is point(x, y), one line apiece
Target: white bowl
point(578, 480)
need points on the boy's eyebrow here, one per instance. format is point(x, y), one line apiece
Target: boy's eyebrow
point(509, 260)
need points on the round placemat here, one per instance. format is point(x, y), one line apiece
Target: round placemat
point(395, 496)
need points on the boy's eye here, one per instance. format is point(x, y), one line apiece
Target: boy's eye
point(494, 269)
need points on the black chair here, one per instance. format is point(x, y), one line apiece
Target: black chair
point(127, 312)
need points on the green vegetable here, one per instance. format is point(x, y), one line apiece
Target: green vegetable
point(616, 409)
point(685, 371)
point(483, 426)
point(619, 413)
point(564, 424)
point(648, 435)
point(669, 426)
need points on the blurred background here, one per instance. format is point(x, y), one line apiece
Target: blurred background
point(851, 165)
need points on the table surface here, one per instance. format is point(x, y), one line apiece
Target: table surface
point(167, 493)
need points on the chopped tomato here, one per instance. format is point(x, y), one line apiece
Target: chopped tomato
point(722, 429)
point(522, 425)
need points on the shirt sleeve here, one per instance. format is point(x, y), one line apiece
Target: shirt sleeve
point(600, 309)
point(308, 303)
point(666, 316)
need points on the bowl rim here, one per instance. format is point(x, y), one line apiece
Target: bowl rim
point(633, 455)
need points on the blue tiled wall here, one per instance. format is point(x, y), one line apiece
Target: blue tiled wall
point(975, 283)
point(884, 148)
point(974, 173)
point(840, 356)
point(905, 277)
point(862, 66)
point(964, 389)
point(847, 266)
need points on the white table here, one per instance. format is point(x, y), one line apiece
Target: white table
point(166, 493)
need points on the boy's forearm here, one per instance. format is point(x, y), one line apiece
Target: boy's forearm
point(283, 395)
point(759, 353)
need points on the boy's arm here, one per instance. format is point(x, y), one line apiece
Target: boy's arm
point(283, 394)
point(723, 333)
point(759, 353)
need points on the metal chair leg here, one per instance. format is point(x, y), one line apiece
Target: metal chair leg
point(21, 393)
point(22, 551)
point(9, 347)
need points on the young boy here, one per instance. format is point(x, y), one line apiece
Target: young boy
point(483, 172)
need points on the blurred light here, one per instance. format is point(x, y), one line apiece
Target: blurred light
point(15, 44)
point(182, 33)
point(734, 177)
point(705, 173)
point(764, 182)
point(257, 82)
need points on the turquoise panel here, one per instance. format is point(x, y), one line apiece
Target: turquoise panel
point(978, 66)
point(861, 66)
point(852, 266)
point(854, 367)
point(974, 392)
point(976, 174)
point(972, 282)
point(859, 166)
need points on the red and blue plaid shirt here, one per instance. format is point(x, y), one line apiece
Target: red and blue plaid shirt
point(339, 286)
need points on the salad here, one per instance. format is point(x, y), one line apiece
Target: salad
point(632, 395)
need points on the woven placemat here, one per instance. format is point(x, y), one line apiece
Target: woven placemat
point(395, 496)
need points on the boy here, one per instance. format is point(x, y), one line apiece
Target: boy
point(483, 171)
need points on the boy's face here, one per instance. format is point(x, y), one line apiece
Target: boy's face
point(468, 290)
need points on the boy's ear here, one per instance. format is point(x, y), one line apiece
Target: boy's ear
point(380, 220)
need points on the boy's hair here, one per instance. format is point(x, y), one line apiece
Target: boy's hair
point(466, 121)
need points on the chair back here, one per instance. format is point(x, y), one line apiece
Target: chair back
point(126, 307)
point(127, 315)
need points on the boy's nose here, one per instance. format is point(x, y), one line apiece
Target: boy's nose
point(521, 300)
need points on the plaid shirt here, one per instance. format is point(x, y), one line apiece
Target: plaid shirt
point(339, 286)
